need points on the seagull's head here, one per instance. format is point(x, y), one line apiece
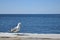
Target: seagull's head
point(19, 23)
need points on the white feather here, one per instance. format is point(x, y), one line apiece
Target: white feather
point(17, 28)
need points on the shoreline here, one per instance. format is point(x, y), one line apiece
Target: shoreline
point(28, 36)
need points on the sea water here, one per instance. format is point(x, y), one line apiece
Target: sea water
point(31, 23)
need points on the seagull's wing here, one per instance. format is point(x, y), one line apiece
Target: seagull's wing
point(14, 29)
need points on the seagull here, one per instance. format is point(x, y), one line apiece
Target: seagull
point(17, 28)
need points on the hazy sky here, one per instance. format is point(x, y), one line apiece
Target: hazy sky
point(29, 6)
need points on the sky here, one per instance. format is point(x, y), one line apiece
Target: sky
point(29, 6)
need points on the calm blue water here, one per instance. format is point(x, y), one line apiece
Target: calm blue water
point(31, 23)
